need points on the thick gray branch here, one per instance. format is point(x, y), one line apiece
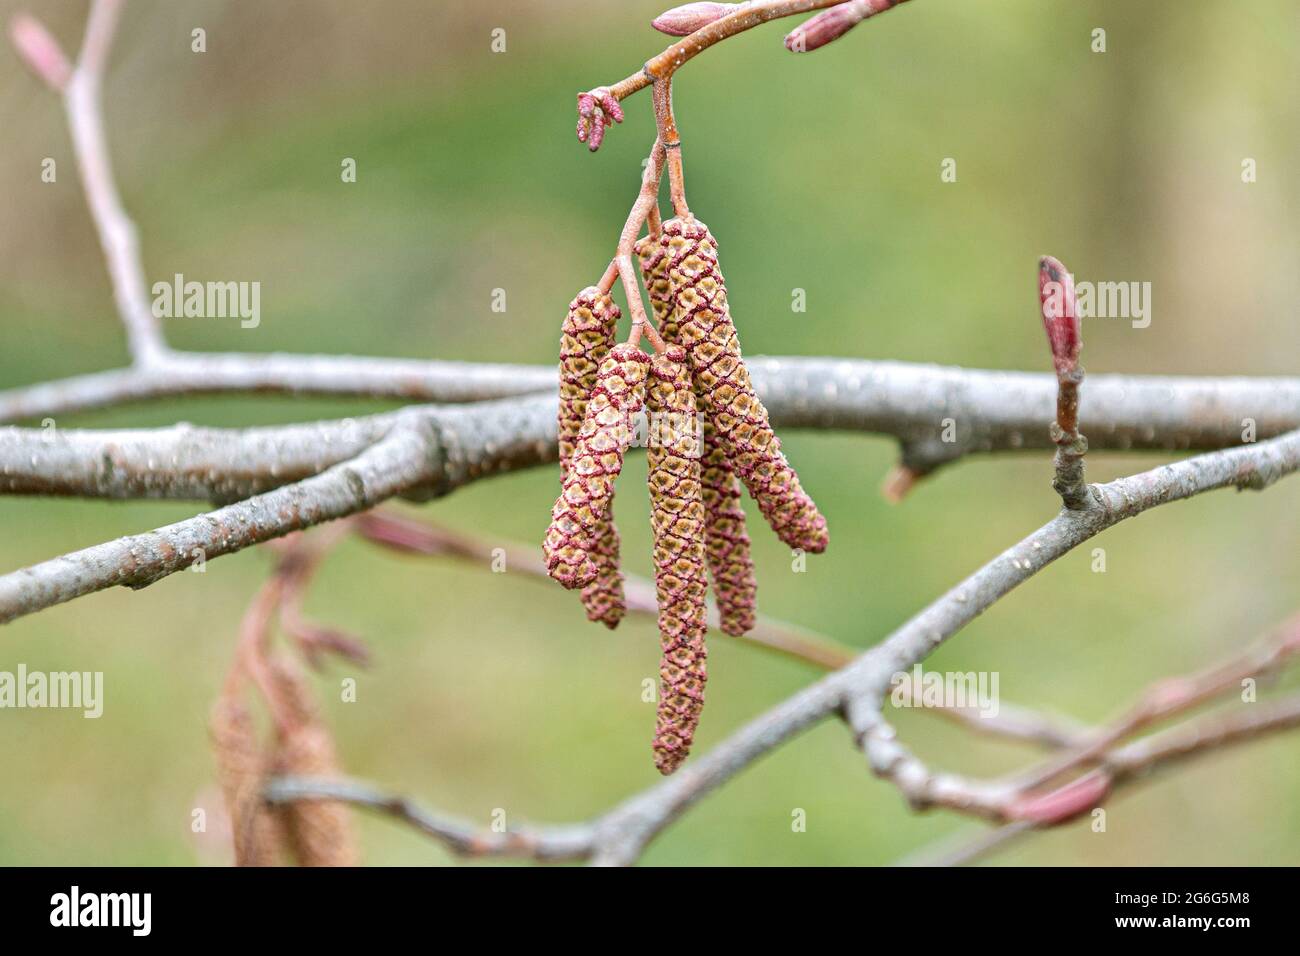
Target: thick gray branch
point(400, 461)
point(989, 411)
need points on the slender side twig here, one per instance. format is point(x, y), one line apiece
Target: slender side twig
point(745, 17)
point(301, 556)
point(1166, 698)
point(1010, 721)
point(1101, 746)
point(672, 140)
point(619, 836)
point(646, 199)
point(414, 537)
point(538, 842)
point(83, 100)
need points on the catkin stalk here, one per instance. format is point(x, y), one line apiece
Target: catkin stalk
point(585, 340)
point(726, 538)
point(607, 430)
point(707, 332)
point(677, 523)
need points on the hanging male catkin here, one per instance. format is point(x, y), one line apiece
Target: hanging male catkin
point(706, 330)
point(726, 537)
point(607, 430)
point(677, 523)
point(241, 771)
point(318, 832)
point(585, 339)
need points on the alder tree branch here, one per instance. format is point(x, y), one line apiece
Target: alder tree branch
point(395, 463)
point(988, 411)
point(1119, 764)
point(743, 16)
point(619, 836)
point(856, 692)
point(272, 481)
point(83, 102)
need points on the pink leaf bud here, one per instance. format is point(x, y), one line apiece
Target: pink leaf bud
point(822, 29)
point(40, 51)
point(686, 19)
point(1060, 314)
point(1064, 803)
point(834, 23)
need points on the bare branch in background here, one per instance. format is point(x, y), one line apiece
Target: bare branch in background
point(620, 835)
point(277, 480)
point(83, 102)
point(402, 534)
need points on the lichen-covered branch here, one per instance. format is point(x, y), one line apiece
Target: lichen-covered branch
point(399, 461)
point(919, 405)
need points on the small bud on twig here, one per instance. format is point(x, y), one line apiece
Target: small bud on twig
point(686, 19)
point(1060, 314)
point(40, 51)
point(595, 110)
point(834, 23)
point(1064, 803)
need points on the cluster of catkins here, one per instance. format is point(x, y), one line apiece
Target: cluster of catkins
point(708, 433)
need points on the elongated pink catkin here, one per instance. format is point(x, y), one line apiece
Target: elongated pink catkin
point(677, 522)
point(652, 255)
point(706, 330)
point(726, 537)
point(585, 340)
point(597, 459)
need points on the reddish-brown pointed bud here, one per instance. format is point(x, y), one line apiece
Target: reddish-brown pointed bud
point(686, 19)
point(834, 23)
point(40, 51)
point(1060, 312)
point(822, 29)
point(1064, 803)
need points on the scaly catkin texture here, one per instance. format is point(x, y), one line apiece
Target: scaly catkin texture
point(706, 330)
point(241, 771)
point(318, 832)
point(607, 430)
point(726, 537)
point(653, 257)
point(585, 339)
point(677, 522)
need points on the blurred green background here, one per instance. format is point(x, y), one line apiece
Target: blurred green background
point(818, 172)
